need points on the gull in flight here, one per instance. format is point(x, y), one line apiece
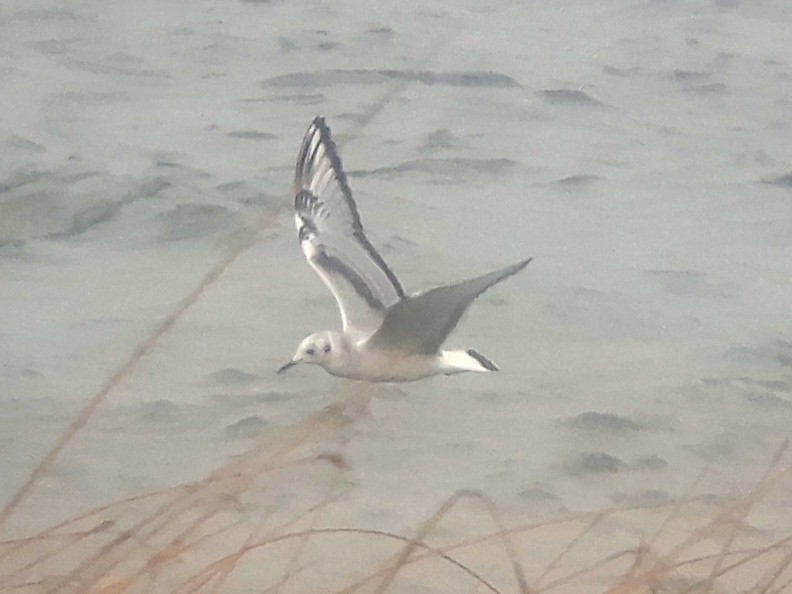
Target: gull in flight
point(387, 335)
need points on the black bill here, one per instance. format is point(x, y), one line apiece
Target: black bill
point(288, 366)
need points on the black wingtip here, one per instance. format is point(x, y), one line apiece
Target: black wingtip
point(319, 122)
point(485, 363)
point(326, 136)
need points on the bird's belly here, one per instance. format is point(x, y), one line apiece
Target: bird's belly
point(388, 366)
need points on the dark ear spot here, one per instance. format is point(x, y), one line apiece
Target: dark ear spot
point(326, 348)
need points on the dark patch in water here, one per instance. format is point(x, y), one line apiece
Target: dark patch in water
point(22, 178)
point(15, 249)
point(231, 187)
point(624, 72)
point(116, 70)
point(232, 401)
point(401, 239)
point(597, 421)
point(326, 46)
point(652, 462)
point(287, 45)
point(568, 97)
point(381, 32)
point(783, 181)
point(325, 78)
point(689, 76)
point(594, 463)
point(158, 410)
point(649, 497)
point(231, 377)
point(656, 496)
point(722, 451)
point(89, 99)
point(685, 282)
point(727, 4)
point(439, 140)
point(709, 89)
point(252, 135)
point(299, 99)
point(775, 385)
point(770, 401)
point(784, 354)
point(176, 168)
point(194, 220)
point(777, 351)
point(24, 144)
point(271, 397)
point(456, 169)
point(578, 180)
point(538, 494)
point(92, 216)
point(44, 14)
point(251, 426)
point(54, 46)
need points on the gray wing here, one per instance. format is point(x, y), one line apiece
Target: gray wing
point(332, 237)
point(420, 324)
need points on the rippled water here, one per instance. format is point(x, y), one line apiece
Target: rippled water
point(638, 150)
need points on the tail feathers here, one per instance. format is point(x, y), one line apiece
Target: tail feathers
point(485, 363)
point(469, 360)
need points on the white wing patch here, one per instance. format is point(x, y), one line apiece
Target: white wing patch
point(332, 238)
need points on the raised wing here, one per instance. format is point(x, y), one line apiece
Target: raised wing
point(420, 324)
point(332, 237)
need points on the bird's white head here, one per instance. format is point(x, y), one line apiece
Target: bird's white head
point(316, 348)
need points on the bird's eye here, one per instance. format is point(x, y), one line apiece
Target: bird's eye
point(326, 348)
point(310, 352)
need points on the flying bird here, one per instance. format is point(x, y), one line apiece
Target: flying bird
point(386, 335)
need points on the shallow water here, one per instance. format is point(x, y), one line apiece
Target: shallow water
point(638, 150)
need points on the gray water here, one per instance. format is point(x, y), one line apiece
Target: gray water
point(639, 150)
